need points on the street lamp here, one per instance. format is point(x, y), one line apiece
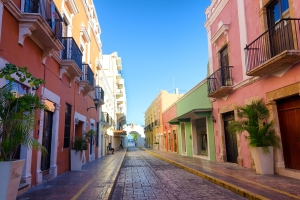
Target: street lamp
point(97, 97)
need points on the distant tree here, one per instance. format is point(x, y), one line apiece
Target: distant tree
point(134, 136)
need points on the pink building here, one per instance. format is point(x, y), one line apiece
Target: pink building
point(170, 131)
point(254, 53)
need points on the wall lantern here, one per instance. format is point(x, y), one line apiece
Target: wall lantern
point(96, 99)
point(213, 119)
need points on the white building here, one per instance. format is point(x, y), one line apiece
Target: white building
point(113, 112)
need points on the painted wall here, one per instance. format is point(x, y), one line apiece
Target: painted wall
point(167, 115)
point(30, 55)
point(196, 98)
point(250, 88)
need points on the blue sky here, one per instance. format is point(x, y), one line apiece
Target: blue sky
point(159, 41)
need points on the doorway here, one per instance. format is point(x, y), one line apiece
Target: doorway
point(183, 142)
point(46, 141)
point(230, 139)
point(201, 137)
point(289, 121)
point(175, 141)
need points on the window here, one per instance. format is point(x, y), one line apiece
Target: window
point(18, 88)
point(224, 57)
point(277, 10)
point(97, 134)
point(67, 125)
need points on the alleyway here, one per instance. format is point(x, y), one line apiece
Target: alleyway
point(143, 176)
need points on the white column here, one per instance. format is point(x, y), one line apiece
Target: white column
point(39, 175)
point(243, 34)
point(1, 17)
point(54, 142)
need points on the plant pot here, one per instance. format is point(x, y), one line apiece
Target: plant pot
point(264, 162)
point(11, 172)
point(156, 146)
point(76, 160)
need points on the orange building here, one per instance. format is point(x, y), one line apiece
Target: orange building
point(59, 41)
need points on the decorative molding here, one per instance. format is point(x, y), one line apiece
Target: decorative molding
point(25, 30)
point(70, 68)
point(85, 86)
point(222, 30)
point(84, 34)
point(47, 53)
point(71, 5)
point(213, 11)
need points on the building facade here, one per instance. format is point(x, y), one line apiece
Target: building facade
point(192, 114)
point(153, 119)
point(254, 54)
point(59, 41)
point(113, 113)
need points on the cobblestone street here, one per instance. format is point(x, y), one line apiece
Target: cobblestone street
point(143, 176)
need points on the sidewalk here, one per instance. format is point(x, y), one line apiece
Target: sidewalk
point(240, 180)
point(95, 181)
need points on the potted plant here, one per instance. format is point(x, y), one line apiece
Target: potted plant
point(17, 122)
point(79, 145)
point(89, 135)
point(261, 136)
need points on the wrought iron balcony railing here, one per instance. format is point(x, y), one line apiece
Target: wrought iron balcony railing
point(71, 51)
point(88, 74)
point(48, 11)
point(101, 92)
point(282, 36)
point(105, 117)
point(221, 77)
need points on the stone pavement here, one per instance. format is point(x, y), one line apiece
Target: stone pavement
point(237, 179)
point(146, 177)
point(95, 181)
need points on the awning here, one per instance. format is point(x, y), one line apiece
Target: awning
point(119, 132)
point(193, 114)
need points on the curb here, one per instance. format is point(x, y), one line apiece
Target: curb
point(111, 189)
point(238, 190)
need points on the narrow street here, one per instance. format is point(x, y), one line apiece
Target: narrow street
point(143, 176)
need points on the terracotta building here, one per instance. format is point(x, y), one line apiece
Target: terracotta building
point(59, 41)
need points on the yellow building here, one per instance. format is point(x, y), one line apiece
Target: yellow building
point(153, 118)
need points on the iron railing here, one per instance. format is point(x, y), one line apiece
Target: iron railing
point(71, 51)
point(88, 74)
point(278, 38)
point(110, 121)
point(104, 117)
point(221, 77)
point(45, 9)
point(101, 92)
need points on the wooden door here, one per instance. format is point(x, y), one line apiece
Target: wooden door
point(289, 121)
point(230, 139)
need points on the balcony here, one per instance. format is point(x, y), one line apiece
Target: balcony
point(119, 93)
point(86, 83)
point(120, 101)
point(42, 27)
point(71, 59)
point(120, 83)
point(119, 110)
point(99, 94)
point(157, 122)
point(220, 82)
point(104, 118)
point(274, 50)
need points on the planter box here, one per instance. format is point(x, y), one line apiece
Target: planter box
point(156, 146)
point(11, 172)
point(76, 160)
point(264, 163)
